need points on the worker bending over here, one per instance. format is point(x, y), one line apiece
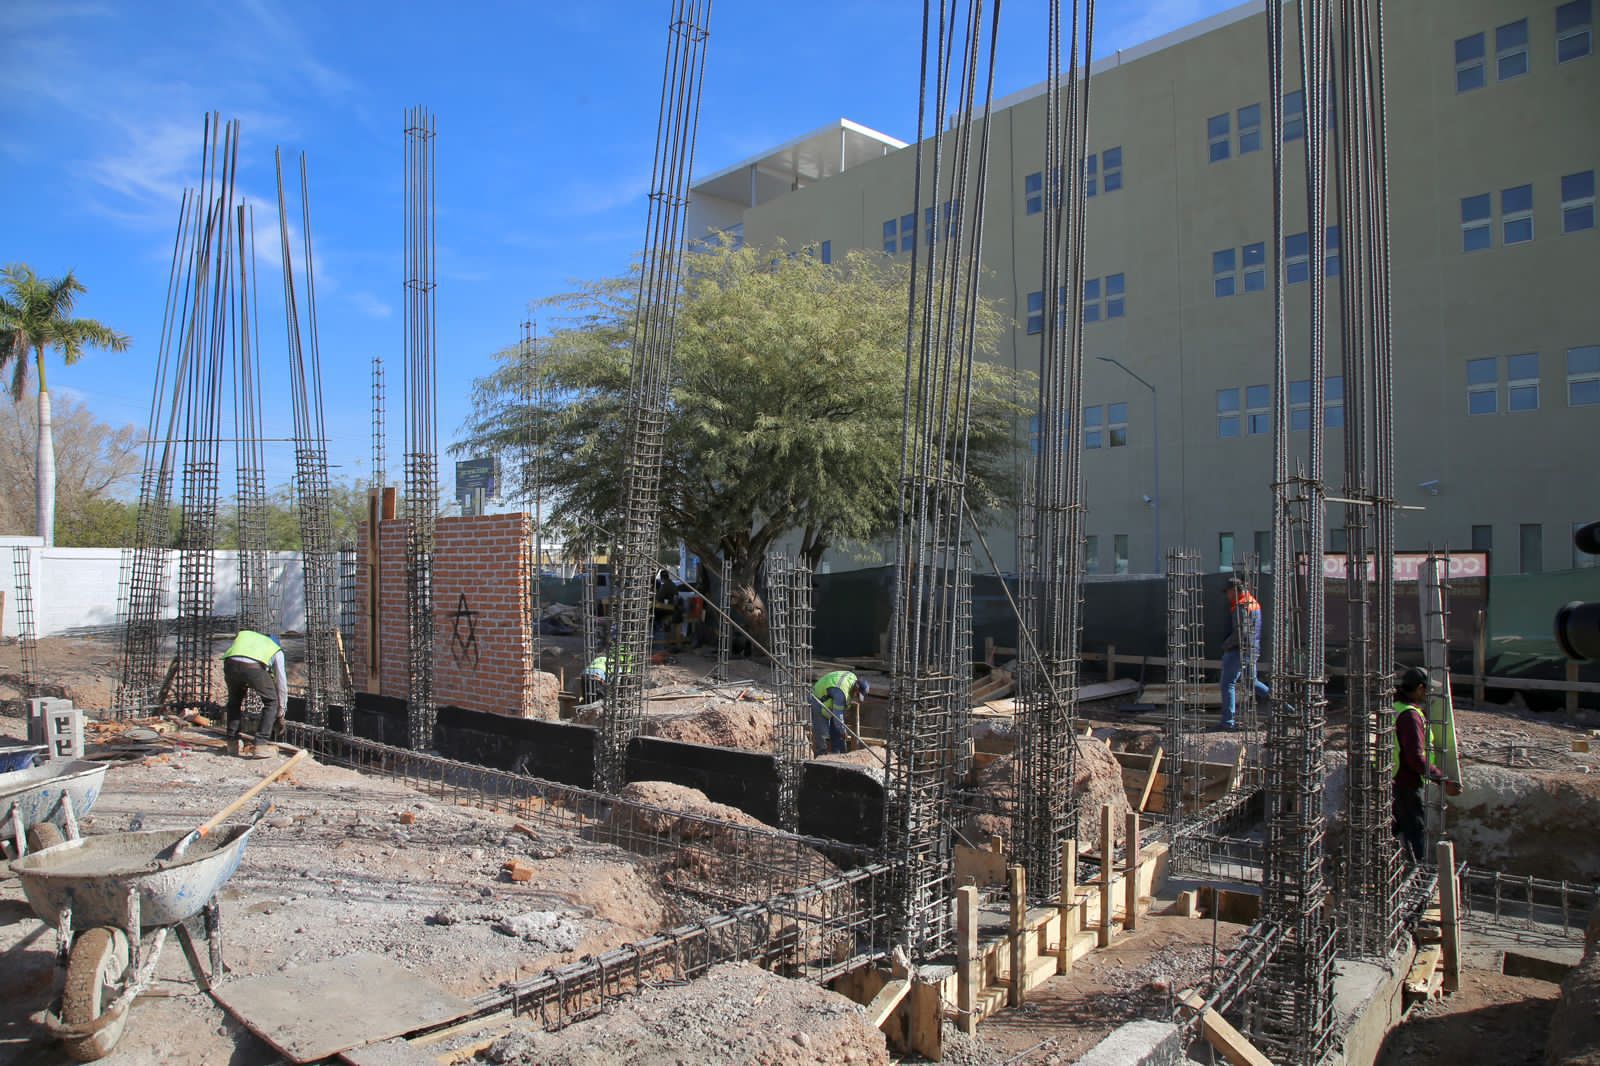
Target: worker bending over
point(1414, 755)
point(830, 696)
point(255, 662)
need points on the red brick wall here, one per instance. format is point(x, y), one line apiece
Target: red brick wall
point(482, 657)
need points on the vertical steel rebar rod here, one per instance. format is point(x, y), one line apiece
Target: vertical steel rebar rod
point(27, 621)
point(532, 380)
point(422, 451)
point(654, 335)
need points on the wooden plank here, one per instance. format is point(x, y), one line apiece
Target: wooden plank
point(1106, 862)
point(1066, 912)
point(1149, 782)
point(966, 958)
point(1221, 1035)
point(883, 1005)
point(1421, 973)
point(1017, 890)
point(1130, 873)
point(1449, 915)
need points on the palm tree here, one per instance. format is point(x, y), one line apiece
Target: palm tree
point(36, 314)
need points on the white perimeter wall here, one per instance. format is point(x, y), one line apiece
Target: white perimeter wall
point(78, 587)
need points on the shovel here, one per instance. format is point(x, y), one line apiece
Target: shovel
point(177, 848)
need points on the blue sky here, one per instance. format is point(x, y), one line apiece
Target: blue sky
point(546, 116)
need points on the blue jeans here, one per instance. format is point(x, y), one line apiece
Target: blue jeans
point(827, 730)
point(1230, 674)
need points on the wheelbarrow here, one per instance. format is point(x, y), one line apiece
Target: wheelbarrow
point(19, 756)
point(113, 898)
point(40, 806)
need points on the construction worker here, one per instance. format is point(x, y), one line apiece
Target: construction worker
point(1244, 634)
point(594, 675)
point(255, 662)
point(1414, 753)
point(830, 697)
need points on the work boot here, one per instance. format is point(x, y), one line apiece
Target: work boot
point(233, 746)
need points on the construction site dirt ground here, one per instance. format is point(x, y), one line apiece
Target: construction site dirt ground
point(336, 870)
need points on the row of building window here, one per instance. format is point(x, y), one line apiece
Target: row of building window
point(1119, 558)
point(1511, 382)
point(1574, 39)
point(1104, 426)
point(1516, 212)
point(900, 234)
point(1101, 172)
point(1530, 545)
point(1254, 417)
point(1244, 269)
point(1103, 299)
point(1238, 132)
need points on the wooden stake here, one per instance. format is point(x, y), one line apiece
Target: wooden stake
point(1131, 874)
point(1450, 914)
point(1107, 860)
point(966, 957)
point(1067, 910)
point(1017, 883)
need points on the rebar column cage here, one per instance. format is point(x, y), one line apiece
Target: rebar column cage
point(654, 330)
point(1052, 580)
point(719, 672)
point(1433, 595)
point(1185, 655)
point(27, 622)
point(380, 435)
point(531, 377)
point(422, 457)
point(791, 732)
point(961, 664)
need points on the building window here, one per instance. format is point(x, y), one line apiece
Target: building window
point(1338, 539)
point(1333, 403)
point(1583, 376)
point(1224, 268)
point(1511, 50)
point(1224, 551)
point(1091, 300)
point(1522, 382)
point(1255, 267)
point(1300, 405)
point(827, 252)
point(1217, 136)
point(1577, 201)
point(907, 227)
point(1532, 542)
point(1476, 231)
point(1257, 410)
point(1263, 547)
point(1250, 129)
point(891, 240)
point(1116, 295)
point(1296, 258)
point(1119, 545)
point(1033, 192)
point(1117, 425)
point(1294, 115)
point(1036, 312)
point(1469, 63)
point(1091, 172)
point(1574, 39)
point(1482, 538)
point(1093, 426)
point(1483, 386)
point(1331, 262)
point(1516, 214)
point(1581, 560)
point(1111, 169)
point(1091, 554)
point(1227, 412)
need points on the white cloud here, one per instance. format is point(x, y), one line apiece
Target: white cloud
point(369, 305)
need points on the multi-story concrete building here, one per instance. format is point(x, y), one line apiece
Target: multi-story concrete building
point(1494, 142)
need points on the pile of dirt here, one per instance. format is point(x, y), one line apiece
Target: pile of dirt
point(1538, 822)
point(1098, 782)
point(724, 723)
point(1575, 1027)
point(736, 1013)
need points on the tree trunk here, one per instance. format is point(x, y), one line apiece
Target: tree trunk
point(45, 466)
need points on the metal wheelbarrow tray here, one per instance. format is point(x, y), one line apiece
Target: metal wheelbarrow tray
point(114, 888)
point(57, 793)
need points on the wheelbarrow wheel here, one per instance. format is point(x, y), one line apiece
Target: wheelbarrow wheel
point(95, 970)
point(44, 835)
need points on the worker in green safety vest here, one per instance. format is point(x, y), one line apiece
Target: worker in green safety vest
point(255, 662)
point(830, 697)
point(1417, 745)
point(595, 674)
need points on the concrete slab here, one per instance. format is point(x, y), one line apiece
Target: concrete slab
point(1140, 1043)
point(314, 1012)
point(396, 1052)
point(1367, 1003)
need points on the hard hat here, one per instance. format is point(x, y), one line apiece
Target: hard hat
point(1411, 677)
point(863, 686)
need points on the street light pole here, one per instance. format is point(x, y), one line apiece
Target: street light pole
point(1155, 439)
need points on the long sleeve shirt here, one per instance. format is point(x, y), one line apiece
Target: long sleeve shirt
point(1413, 766)
point(282, 677)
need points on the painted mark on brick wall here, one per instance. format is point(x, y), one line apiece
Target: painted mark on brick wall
point(464, 633)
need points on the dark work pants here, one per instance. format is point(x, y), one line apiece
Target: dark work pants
point(243, 675)
point(1409, 821)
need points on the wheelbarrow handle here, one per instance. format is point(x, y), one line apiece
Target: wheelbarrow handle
point(200, 831)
